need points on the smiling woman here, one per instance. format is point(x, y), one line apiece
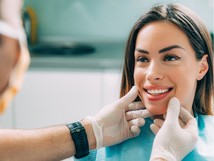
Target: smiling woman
point(168, 54)
point(170, 50)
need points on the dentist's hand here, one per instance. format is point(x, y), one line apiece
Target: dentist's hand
point(119, 121)
point(173, 142)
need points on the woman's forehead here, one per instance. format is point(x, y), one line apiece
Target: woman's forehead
point(163, 34)
point(162, 28)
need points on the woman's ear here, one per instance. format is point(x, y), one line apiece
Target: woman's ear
point(203, 67)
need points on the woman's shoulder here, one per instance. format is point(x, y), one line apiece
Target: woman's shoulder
point(205, 122)
point(205, 118)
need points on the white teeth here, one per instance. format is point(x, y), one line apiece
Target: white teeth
point(157, 91)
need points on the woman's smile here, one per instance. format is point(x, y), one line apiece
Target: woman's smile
point(156, 94)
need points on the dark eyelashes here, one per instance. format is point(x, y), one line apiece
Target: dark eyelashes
point(165, 58)
point(171, 58)
point(142, 59)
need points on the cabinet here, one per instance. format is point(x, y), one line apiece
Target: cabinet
point(57, 97)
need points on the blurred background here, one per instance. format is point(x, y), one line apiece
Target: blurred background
point(100, 20)
point(77, 49)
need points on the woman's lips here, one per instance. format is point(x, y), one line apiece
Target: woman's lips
point(157, 94)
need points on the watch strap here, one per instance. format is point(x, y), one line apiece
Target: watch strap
point(80, 139)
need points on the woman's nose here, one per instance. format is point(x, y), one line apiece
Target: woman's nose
point(154, 72)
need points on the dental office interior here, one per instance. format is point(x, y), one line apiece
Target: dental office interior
point(77, 50)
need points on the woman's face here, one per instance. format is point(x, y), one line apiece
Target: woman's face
point(166, 67)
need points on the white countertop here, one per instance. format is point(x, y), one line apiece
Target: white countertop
point(106, 56)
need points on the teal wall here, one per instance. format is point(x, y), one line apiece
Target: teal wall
point(101, 20)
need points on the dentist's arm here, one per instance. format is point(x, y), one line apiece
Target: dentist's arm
point(173, 142)
point(109, 126)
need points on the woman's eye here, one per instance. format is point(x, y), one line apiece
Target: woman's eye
point(171, 58)
point(142, 59)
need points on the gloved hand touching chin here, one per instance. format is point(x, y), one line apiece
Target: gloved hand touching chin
point(173, 142)
point(119, 121)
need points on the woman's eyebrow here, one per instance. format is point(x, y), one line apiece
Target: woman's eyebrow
point(170, 48)
point(142, 51)
point(160, 51)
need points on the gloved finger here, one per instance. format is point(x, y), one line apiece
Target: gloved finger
point(137, 122)
point(154, 128)
point(188, 119)
point(135, 106)
point(185, 115)
point(173, 111)
point(136, 114)
point(158, 122)
point(182, 124)
point(135, 130)
point(128, 98)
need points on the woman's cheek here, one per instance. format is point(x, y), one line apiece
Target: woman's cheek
point(137, 77)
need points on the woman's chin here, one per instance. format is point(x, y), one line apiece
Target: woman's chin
point(156, 110)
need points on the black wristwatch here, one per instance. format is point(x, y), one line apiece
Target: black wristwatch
point(80, 139)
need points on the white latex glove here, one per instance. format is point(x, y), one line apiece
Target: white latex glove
point(173, 142)
point(111, 125)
